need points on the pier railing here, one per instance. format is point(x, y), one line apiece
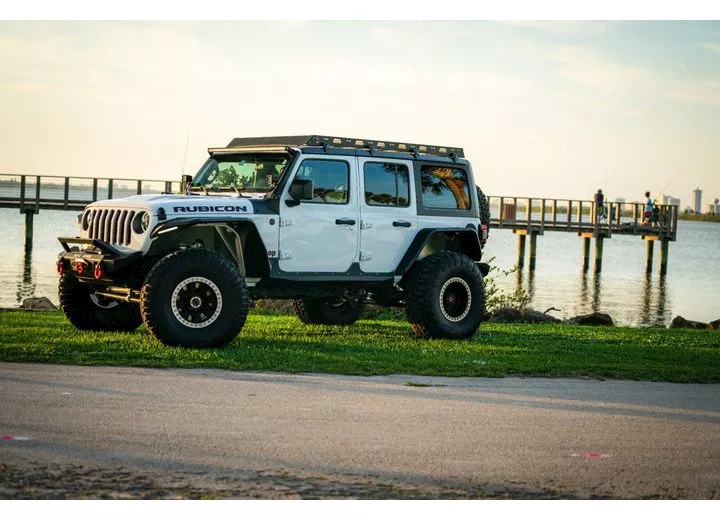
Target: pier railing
point(36, 192)
point(538, 215)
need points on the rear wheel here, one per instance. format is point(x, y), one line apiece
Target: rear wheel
point(87, 310)
point(327, 311)
point(194, 298)
point(445, 296)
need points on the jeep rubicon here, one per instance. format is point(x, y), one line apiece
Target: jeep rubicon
point(330, 223)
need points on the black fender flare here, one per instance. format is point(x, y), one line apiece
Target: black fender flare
point(244, 228)
point(465, 238)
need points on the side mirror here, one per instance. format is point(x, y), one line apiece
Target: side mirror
point(300, 189)
point(185, 181)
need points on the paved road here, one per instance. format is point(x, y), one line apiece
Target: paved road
point(129, 432)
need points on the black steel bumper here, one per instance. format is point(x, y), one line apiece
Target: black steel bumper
point(84, 262)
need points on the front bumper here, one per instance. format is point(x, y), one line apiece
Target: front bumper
point(96, 260)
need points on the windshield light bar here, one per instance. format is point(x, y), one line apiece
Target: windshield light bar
point(245, 149)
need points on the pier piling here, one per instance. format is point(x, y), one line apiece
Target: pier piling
point(586, 254)
point(521, 250)
point(663, 256)
point(29, 217)
point(649, 245)
point(598, 253)
point(533, 250)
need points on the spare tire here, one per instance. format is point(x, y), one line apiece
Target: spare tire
point(484, 206)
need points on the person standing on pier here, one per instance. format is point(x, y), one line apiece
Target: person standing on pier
point(599, 205)
point(648, 209)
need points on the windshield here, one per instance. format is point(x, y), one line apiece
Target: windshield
point(246, 172)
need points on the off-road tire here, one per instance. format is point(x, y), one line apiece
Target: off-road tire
point(86, 311)
point(445, 296)
point(484, 207)
point(194, 298)
point(327, 311)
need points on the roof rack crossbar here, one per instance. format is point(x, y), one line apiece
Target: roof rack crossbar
point(386, 146)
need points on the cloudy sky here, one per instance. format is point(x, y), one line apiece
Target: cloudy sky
point(553, 109)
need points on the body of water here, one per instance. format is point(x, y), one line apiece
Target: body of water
point(691, 287)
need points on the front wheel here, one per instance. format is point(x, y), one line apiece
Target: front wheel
point(327, 311)
point(194, 298)
point(87, 310)
point(445, 296)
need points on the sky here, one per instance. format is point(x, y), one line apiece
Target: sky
point(554, 109)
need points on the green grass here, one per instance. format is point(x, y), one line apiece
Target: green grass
point(283, 344)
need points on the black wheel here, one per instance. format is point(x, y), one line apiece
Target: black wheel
point(484, 207)
point(445, 296)
point(327, 311)
point(194, 298)
point(87, 310)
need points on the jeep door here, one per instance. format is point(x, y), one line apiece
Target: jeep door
point(387, 213)
point(320, 233)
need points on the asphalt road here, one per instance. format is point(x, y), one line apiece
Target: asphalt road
point(106, 432)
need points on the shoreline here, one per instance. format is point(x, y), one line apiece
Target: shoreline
point(700, 218)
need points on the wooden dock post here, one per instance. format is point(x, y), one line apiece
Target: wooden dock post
point(664, 256)
point(586, 254)
point(649, 244)
point(521, 249)
point(533, 250)
point(598, 253)
point(29, 215)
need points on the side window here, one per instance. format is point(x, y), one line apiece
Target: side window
point(386, 184)
point(444, 188)
point(331, 180)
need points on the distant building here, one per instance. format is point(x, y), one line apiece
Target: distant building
point(619, 200)
point(714, 208)
point(670, 200)
point(698, 200)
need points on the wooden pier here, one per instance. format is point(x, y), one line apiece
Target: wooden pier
point(534, 216)
point(525, 216)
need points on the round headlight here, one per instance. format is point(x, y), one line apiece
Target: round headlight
point(141, 222)
point(87, 219)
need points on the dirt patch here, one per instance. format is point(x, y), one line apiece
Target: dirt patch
point(39, 481)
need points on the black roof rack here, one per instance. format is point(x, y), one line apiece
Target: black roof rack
point(344, 142)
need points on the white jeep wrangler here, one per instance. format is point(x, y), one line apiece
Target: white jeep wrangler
point(330, 223)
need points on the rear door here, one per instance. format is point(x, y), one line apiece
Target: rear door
point(387, 212)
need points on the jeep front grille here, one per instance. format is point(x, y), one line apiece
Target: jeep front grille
point(113, 226)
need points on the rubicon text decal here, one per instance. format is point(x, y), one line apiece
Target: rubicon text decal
point(208, 209)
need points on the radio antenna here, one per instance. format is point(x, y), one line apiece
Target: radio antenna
point(185, 157)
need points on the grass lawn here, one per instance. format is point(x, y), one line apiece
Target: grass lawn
point(283, 344)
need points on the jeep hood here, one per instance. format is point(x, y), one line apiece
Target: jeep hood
point(179, 205)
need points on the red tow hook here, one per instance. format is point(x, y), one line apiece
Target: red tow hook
point(79, 267)
point(98, 271)
point(60, 267)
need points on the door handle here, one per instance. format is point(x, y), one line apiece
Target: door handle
point(401, 223)
point(345, 221)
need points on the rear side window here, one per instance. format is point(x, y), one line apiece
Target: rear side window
point(444, 187)
point(386, 184)
point(331, 180)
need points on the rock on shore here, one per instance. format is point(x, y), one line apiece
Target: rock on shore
point(42, 303)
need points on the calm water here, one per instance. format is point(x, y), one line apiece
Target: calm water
point(690, 289)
